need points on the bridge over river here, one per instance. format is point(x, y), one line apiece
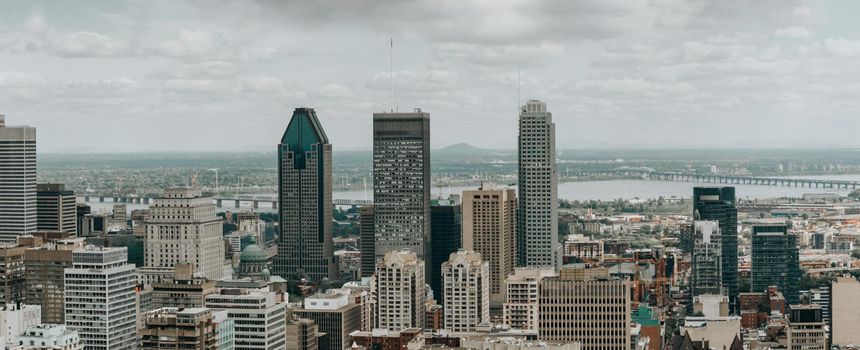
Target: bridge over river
point(236, 199)
point(650, 174)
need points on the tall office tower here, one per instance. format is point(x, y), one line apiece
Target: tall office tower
point(401, 297)
point(445, 225)
point(718, 204)
point(81, 212)
point(775, 260)
point(537, 240)
point(401, 184)
point(845, 311)
point(172, 328)
point(45, 267)
point(17, 180)
point(305, 249)
point(260, 319)
point(489, 228)
point(568, 308)
point(56, 209)
point(706, 263)
point(520, 310)
point(105, 317)
point(12, 280)
point(467, 292)
point(806, 329)
point(183, 228)
point(335, 315)
point(368, 254)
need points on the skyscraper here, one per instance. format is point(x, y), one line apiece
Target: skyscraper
point(718, 204)
point(401, 294)
point(467, 291)
point(538, 188)
point(56, 209)
point(706, 264)
point(401, 184)
point(489, 228)
point(445, 225)
point(775, 260)
point(368, 255)
point(17, 180)
point(305, 247)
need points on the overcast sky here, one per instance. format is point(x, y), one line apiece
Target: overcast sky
point(105, 76)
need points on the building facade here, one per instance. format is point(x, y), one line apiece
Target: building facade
point(845, 311)
point(106, 317)
point(775, 260)
point(806, 329)
point(718, 204)
point(45, 268)
point(335, 315)
point(368, 241)
point(18, 213)
point(260, 320)
point(172, 328)
point(183, 228)
point(12, 281)
point(537, 241)
point(305, 247)
point(49, 337)
point(446, 226)
point(401, 296)
point(401, 184)
point(56, 209)
point(467, 292)
point(522, 299)
point(489, 229)
point(705, 262)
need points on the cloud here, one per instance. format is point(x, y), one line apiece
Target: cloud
point(97, 88)
point(260, 84)
point(89, 44)
point(17, 80)
point(842, 47)
point(792, 33)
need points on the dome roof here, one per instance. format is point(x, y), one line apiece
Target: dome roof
point(253, 253)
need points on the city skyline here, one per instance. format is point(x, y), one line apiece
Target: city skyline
point(620, 74)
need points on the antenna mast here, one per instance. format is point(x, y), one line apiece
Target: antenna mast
point(519, 84)
point(391, 72)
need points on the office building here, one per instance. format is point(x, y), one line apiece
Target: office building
point(466, 279)
point(172, 328)
point(806, 329)
point(705, 262)
point(820, 296)
point(718, 204)
point(401, 184)
point(489, 229)
point(302, 334)
point(259, 316)
point(17, 180)
point(12, 281)
point(183, 291)
point(49, 337)
point(585, 305)
point(445, 228)
point(520, 310)
point(537, 241)
point(45, 267)
point(775, 260)
point(105, 318)
point(56, 209)
point(846, 311)
point(183, 228)
point(578, 248)
point(400, 288)
point(368, 241)
point(335, 315)
point(225, 328)
point(305, 247)
point(82, 211)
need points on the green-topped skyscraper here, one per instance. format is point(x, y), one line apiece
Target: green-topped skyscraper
point(305, 247)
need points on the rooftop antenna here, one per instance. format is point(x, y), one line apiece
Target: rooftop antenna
point(519, 84)
point(391, 73)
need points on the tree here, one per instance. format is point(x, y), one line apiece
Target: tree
point(855, 253)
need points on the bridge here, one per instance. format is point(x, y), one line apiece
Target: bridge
point(651, 174)
point(237, 199)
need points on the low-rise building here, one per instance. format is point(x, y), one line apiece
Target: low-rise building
point(173, 328)
point(48, 337)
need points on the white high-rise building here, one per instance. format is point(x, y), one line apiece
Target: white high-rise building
point(401, 292)
point(520, 310)
point(260, 319)
point(182, 228)
point(466, 285)
point(537, 241)
point(100, 298)
point(17, 180)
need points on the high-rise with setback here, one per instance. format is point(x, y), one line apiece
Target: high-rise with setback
point(489, 228)
point(538, 188)
point(401, 184)
point(718, 204)
point(305, 247)
point(17, 180)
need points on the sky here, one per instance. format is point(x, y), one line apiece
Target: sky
point(154, 76)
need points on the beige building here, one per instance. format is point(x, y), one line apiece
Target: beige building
point(585, 305)
point(171, 328)
point(806, 329)
point(183, 291)
point(183, 228)
point(302, 334)
point(489, 229)
point(401, 291)
point(466, 285)
point(11, 273)
point(45, 266)
point(845, 313)
point(520, 310)
point(583, 249)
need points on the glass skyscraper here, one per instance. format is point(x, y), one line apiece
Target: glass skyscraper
point(718, 204)
point(775, 260)
point(537, 236)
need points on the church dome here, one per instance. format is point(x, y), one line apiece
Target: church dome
point(253, 253)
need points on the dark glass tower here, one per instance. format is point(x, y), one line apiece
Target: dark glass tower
point(775, 260)
point(368, 257)
point(718, 204)
point(445, 224)
point(305, 247)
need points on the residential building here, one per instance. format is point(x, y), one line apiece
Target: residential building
point(259, 317)
point(445, 228)
point(400, 288)
point(12, 282)
point(846, 311)
point(183, 228)
point(537, 241)
point(489, 229)
point(172, 328)
point(706, 265)
point(718, 204)
point(585, 305)
point(401, 184)
point(578, 248)
point(775, 260)
point(522, 299)
point(335, 315)
point(305, 247)
point(368, 241)
point(56, 209)
point(45, 267)
point(384, 339)
point(49, 337)
point(106, 317)
point(466, 281)
point(806, 329)
point(17, 180)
